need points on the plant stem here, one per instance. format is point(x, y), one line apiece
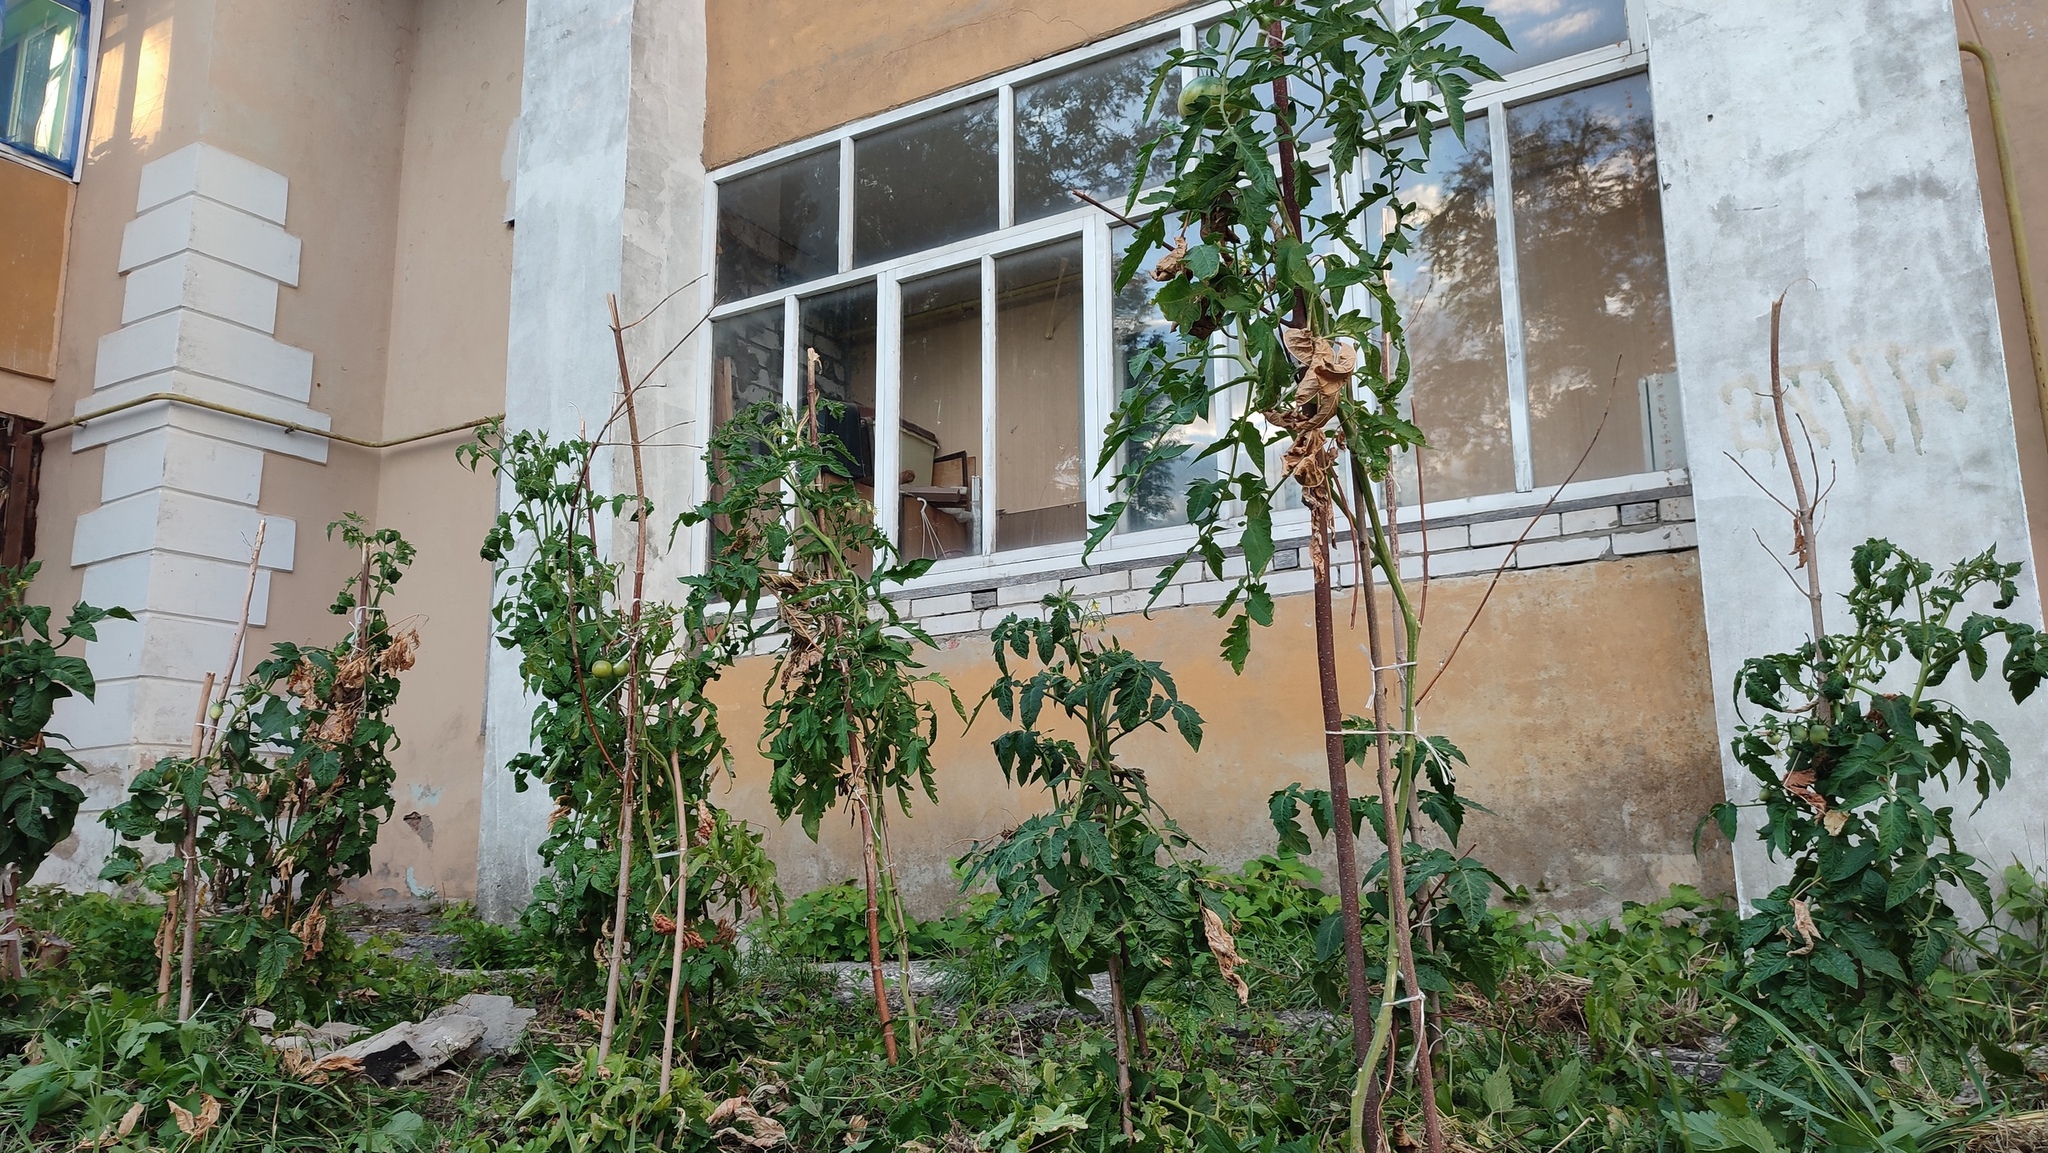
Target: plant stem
point(1123, 1039)
point(1393, 807)
point(1340, 780)
point(1804, 520)
point(10, 925)
point(166, 944)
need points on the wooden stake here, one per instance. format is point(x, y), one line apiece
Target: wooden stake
point(632, 706)
point(189, 849)
point(1123, 1040)
point(675, 964)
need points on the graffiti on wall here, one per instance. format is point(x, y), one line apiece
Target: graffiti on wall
point(1872, 398)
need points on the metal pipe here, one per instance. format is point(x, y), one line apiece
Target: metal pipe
point(287, 425)
point(2016, 221)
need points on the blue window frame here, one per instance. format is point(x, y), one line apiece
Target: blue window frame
point(45, 56)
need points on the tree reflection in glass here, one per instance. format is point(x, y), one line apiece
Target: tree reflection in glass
point(1158, 498)
point(1448, 289)
point(1085, 127)
point(1590, 250)
point(926, 182)
point(746, 369)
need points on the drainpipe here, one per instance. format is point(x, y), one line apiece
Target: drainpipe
point(2016, 221)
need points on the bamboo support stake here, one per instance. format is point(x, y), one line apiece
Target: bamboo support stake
point(189, 849)
point(899, 918)
point(228, 670)
point(632, 713)
point(867, 841)
point(167, 934)
point(675, 964)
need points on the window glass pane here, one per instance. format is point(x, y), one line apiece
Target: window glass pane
point(840, 327)
point(42, 63)
point(1447, 287)
point(1543, 30)
point(779, 226)
point(1039, 449)
point(1085, 128)
point(746, 369)
point(925, 183)
point(939, 443)
point(1159, 497)
point(1589, 239)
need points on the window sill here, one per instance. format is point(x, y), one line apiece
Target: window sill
point(1587, 520)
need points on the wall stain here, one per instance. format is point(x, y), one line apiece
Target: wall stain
point(1881, 388)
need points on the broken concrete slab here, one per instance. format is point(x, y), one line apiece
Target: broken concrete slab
point(408, 1051)
point(504, 1021)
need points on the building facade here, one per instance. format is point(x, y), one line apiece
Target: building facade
point(378, 220)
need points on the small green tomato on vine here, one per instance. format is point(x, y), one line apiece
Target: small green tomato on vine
point(602, 670)
point(1198, 94)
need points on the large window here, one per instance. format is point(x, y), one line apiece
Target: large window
point(958, 292)
point(45, 53)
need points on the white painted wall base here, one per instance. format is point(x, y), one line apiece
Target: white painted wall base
point(1825, 149)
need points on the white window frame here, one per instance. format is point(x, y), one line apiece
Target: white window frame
point(1493, 99)
point(88, 85)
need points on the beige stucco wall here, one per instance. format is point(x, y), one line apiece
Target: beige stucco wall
point(449, 299)
point(781, 70)
point(1581, 698)
point(389, 118)
point(2015, 32)
point(33, 235)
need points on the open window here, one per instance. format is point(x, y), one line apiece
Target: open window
point(45, 54)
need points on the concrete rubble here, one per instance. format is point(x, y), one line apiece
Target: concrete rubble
point(477, 1026)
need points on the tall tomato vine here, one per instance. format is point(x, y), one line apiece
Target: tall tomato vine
point(1315, 348)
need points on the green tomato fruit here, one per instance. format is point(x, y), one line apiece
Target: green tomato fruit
point(213, 711)
point(1198, 93)
point(602, 670)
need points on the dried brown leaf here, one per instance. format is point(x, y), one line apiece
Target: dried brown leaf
point(119, 1133)
point(1800, 785)
point(733, 1112)
point(1802, 923)
point(1225, 951)
point(1173, 263)
point(197, 1125)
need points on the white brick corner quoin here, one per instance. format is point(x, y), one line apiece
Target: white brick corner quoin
point(180, 490)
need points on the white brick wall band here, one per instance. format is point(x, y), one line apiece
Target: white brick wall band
point(1623, 526)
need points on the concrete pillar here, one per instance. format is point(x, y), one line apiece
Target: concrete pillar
point(609, 197)
point(1824, 148)
point(181, 490)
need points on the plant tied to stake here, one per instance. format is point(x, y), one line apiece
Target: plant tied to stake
point(1297, 309)
point(845, 725)
point(281, 808)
